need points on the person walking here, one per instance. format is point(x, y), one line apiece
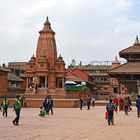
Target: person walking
point(46, 105)
point(81, 101)
point(121, 104)
point(126, 105)
point(23, 101)
point(138, 105)
point(51, 105)
point(115, 102)
point(88, 103)
point(129, 107)
point(17, 108)
point(4, 105)
point(110, 111)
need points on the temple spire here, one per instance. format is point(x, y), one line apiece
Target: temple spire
point(116, 60)
point(137, 40)
point(47, 21)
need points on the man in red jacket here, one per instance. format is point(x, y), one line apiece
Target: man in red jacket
point(115, 102)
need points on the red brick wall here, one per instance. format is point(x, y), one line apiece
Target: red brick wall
point(3, 84)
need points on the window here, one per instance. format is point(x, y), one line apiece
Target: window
point(105, 88)
point(105, 79)
point(115, 90)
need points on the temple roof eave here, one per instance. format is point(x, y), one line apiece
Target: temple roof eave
point(4, 69)
point(126, 68)
point(127, 53)
point(123, 73)
point(131, 50)
point(98, 74)
point(42, 31)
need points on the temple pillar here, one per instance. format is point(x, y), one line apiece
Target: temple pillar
point(51, 83)
point(63, 82)
point(46, 81)
point(27, 83)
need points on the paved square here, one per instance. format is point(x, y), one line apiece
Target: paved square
point(70, 124)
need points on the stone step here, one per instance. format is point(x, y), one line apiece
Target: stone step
point(42, 96)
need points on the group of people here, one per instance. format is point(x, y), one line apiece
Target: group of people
point(88, 101)
point(124, 104)
point(19, 102)
point(47, 106)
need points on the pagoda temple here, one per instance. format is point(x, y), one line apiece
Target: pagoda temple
point(45, 72)
point(128, 74)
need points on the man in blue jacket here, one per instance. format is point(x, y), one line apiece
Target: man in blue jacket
point(110, 110)
point(138, 106)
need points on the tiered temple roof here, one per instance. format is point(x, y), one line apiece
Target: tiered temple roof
point(132, 66)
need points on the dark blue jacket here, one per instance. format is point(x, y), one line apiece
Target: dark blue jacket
point(138, 102)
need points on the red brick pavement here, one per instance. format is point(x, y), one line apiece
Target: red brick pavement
point(70, 124)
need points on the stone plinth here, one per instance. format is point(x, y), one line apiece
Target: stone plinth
point(58, 103)
point(42, 96)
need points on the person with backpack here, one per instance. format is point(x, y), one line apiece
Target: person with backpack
point(110, 111)
point(17, 108)
point(126, 105)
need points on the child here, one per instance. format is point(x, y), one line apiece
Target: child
point(4, 105)
point(42, 112)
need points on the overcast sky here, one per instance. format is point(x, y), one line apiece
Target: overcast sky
point(86, 30)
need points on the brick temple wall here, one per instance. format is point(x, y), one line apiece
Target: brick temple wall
point(3, 84)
